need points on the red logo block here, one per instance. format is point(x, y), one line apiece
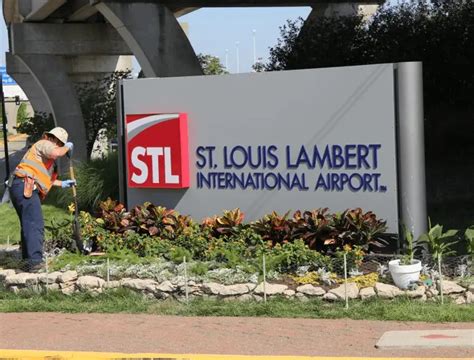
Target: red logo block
point(157, 151)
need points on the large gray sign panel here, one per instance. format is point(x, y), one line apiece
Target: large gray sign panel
point(266, 142)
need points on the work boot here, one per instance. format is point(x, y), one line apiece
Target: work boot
point(37, 268)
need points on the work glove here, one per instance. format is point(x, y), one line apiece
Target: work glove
point(68, 183)
point(70, 147)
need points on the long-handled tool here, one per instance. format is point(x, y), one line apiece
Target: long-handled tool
point(76, 226)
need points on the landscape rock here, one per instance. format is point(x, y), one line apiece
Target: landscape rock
point(330, 297)
point(88, 283)
point(460, 300)
point(5, 273)
point(68, 290)
point(21, 279)
point(141, 284)
point(166, 286)
point(419, 292)
point(450, 287)
point(423, 298)
point(469, 297)
point(352, 291)
point(113, 284)
point(289, 293)
point(49, 278)
point(431, 292)
point(311, 290)
point(471, 288)
point(228, 290)
point(67, 276)
point(271, 289)
point(246, 297)
point(367, 293)
point(387, 291)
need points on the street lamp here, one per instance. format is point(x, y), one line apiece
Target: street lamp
point(237, 43)
point(254, 33)
point(5, 138)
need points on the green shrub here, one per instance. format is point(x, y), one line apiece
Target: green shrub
point(177, 254)
point(96, 180)
point(288, 257)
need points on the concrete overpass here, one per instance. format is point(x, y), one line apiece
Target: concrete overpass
point(55, 44)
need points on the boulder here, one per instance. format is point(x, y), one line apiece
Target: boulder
point(141, 284)
point(49, 278)
point(166, 286)
point(311, 290)
point(69, 290)
point(289, 293)
point(67, 277)
point(227, 290)
point(367, 293)
point(418, 293)
point(330, 297)
point(387, 291)
point(469, 297)
point(352, 291)
point(21, 279)
point(450, 287)
point(460, 300)
point(271, 289)
point(246, 297)
point(113, 284)
point(5, 273)
point(88, 283)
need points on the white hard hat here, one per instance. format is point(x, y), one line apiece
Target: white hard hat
point(59, 133)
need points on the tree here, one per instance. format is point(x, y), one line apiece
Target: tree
point(36, 125)
point(440, 34)
point(211, 65)
point(259, 66)
point(99, 107)
point(22, 114)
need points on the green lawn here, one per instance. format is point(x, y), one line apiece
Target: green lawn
point(125, 301)
point(10, 225)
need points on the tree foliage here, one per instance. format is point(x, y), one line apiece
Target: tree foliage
point(438, 33)
point(211, 65)
point(99, 107)
point(22, 114)
point(36, 126)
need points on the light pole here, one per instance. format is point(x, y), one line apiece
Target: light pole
point(227, 60)
point(237, 43)
point(254, 33)
point(4, 126)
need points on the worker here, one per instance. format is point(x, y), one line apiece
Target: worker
point(28, 186)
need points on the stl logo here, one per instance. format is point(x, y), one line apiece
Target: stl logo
point(157, 151)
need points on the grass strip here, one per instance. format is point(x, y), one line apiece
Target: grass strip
point(10, 224)
point(126, 301)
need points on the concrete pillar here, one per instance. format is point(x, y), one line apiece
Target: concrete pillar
point(50, 73)
point(28, 83)
point(154, 35)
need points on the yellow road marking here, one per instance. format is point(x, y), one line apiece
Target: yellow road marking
point(60, 355)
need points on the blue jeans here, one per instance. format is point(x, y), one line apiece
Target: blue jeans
point(31, 220)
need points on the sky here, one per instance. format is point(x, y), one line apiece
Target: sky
point(213, 31)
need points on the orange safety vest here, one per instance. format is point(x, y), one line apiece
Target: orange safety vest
point(43, 173)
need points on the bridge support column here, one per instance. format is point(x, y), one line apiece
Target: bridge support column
point(28, 83)
point(50, 73)
point(154, 35)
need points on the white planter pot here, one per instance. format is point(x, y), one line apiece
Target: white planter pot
point(402, 275)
